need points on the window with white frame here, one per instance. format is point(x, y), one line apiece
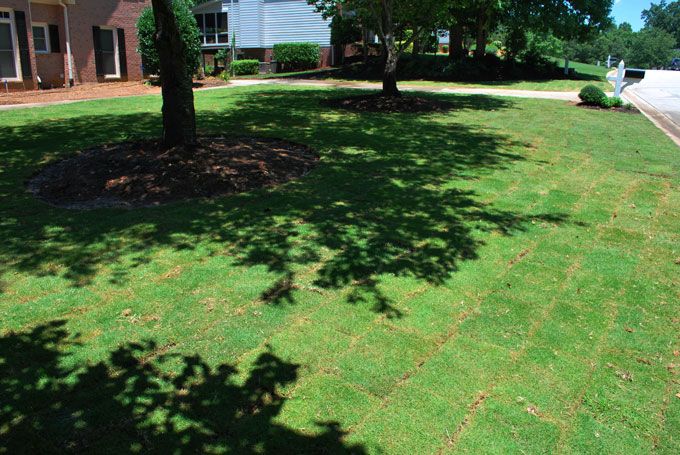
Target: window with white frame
point(214, 28)
point(41, 39)
point(108, 40)
point(9, 53)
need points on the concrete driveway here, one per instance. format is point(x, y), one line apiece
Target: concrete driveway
point(658, 96)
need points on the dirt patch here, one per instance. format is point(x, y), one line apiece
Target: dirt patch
point(389, 104)
point(95, 91)
point(631, 110)
point(139, 174)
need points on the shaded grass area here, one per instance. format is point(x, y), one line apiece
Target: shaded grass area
point(585, 74)
point(498, 278)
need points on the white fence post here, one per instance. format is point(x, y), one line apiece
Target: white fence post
point(619, 78)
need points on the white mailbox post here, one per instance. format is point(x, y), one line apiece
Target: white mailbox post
point(619, 78)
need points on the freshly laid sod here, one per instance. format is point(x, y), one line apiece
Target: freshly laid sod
point(500, 278)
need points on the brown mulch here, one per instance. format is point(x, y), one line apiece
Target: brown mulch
point(389, 104)
point(139, 174)
point(632, 110)
point(94, 91)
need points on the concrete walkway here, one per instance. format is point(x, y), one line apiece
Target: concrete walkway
point(658, 97)
point(563, 96)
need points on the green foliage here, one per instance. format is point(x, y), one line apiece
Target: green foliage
point(614, 101)
point(651, 48)
point(664, 16)
point(245, 67)
point(648, 48)
point(297, 56)
point(345, 30)
point(146, 30)
point(209, 70)
point(593, 96)
point(223, 56)
point(225, 76)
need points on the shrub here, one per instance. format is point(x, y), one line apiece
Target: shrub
point(614, 102)
point(209, 70)
point(593, 96)
point(224, 75)
point(297, 56)
point(245, 67)
point(445, 49)
point(188, 28)
point(222, 56)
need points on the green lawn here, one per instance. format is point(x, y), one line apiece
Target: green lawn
point(501, 278)
point(586, 74)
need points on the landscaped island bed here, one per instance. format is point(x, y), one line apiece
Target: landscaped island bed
point(501, 277)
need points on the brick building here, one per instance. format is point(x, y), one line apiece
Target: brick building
point(57, 42)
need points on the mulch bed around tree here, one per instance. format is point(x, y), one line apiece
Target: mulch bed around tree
point(138, 174)
point(388, 104)
point(632, 110)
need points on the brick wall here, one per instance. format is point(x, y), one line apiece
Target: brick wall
point(50, 67)
point(116, 13)
point(23, 5)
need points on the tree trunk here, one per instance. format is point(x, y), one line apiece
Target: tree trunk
point(481, 36)
point(179, 116)
point(390, 74)
point(416, 46)
point(480, 50)
point(456, 49)
point(364, 46)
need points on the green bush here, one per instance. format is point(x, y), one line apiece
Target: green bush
point(245, 67)
point(188, 28)
point(224, 75)
point(614, 102)
point(222, 56)
point(593, 96)
point(445, 49)
point(297, 56)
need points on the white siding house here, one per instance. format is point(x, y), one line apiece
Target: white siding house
point(260, 24)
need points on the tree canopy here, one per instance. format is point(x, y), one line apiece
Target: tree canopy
point(664, 16)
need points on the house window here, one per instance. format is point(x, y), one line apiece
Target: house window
point(9, 54)
point(41, 39)
point(214, 28)
point(108, 41)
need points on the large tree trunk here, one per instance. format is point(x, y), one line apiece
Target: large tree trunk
point(482, 35)
point(179, 116)
point(390, 73)
point(456, 49)
point(390, 50)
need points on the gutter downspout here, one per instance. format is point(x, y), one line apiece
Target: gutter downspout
point(233, 29)
point(68, 44)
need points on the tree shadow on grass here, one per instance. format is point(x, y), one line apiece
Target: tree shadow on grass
point(384, 200)
point(130, 402)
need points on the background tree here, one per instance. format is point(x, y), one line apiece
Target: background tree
point(179, 116)
point(188, 29)
point(664, 16)
point(345, 30)
point(651, 48)
point(390, 19)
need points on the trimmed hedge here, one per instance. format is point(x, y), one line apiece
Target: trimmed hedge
point(245, 67)
point(297, 56)
point(593, 96)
